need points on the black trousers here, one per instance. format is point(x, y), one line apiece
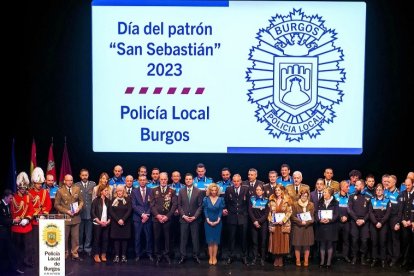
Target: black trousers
point(162, 233)
point(379, 242)
point(359, 234)
point(393, 243)
point(241, 231)
point(23, 243)
point(100, 239)
point(259, 240)
point(185, 230)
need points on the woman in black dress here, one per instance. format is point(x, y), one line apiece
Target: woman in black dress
point(120, 211)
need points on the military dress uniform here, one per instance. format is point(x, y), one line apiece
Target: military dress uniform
point(163, 202)
point(358, 208)
point(22, 207)
point(85, 226)
point(269, 189)
point(63, 203)
point(42, 204)
point(393, 241)
point(175, 223)
point(344, 228)
point(379, 212)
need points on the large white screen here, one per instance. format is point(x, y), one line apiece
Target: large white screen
point(238, 77)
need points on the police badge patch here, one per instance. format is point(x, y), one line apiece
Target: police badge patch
point(295, 75)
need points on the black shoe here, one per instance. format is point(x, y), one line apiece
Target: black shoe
point(374, 263)
point(157, 262)
point(196, 259)
point(354, 260)
point(327, 266)
point(363, 261)
point(137, 259)
point(150, 258)
point(383, 263)
point(167, 258)
point(116, 259)
point(229, 261)
point(181, 261)
point(262, 262)
point(346, 259)
point(89, 253)
point(19, 271)
point(392, 263)
point(79, 259)
point(28, 264)
point(244, 261)
point(404, 263)
point(124, 259)
point(253, 262)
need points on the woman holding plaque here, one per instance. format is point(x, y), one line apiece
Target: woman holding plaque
point(327, 230)
point(279, 224)
point(101, 221)
point(302, 220)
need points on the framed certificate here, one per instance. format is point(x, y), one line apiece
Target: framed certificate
point(278, 217)
point(325, 214)
point(306, 216)
point(74, 206)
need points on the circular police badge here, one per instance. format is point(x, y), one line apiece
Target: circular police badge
point(295, 75)
point(52, 235)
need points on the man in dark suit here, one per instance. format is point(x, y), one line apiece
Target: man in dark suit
point(236, 199)
point(163, 206)
point(317, 194)
point(190, 207)
point(85, 227)
point(141, 217)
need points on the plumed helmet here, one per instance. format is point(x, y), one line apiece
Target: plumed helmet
point(22, 180)
point(38, 176)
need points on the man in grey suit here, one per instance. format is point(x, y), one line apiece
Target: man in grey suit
point(189, 207)
point(85, 227)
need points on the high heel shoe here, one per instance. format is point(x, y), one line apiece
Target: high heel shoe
point(214, 261)
point(298, 263)
point(116, 259)
point(124, 259)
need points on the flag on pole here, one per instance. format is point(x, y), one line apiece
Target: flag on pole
point(33, 163)
point(12, 170)
point(51, 167)
point(65, 165)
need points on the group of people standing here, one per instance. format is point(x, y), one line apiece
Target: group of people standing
point(282, 217)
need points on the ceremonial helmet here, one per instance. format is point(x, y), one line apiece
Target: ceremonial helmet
point(38, 176)
point(22, 180)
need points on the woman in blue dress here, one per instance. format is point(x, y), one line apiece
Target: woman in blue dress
point(213, 207)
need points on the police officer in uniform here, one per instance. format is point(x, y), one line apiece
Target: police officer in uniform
point(407, 201)
point(52, 187)
point(176, 185)
point(163, 205)
point(252, 181)
point(379, 213)
point(394, 226)
point(358, 210)
point(344, 224)
point(201, 181)
point(237, 200)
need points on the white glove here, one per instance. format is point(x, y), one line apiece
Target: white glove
point(24, 222)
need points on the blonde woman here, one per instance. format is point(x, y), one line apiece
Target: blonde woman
point(213, 206)
point(120, 210)
point(104, 181)
point(279, 224)
point(303, 212)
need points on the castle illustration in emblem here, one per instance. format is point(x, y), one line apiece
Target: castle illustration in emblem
point(295, 76)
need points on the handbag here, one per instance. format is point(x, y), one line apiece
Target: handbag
point(286, 227)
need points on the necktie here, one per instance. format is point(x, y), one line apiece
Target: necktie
point(85, 184)
point(143, 193)
point(237, 191)
point(129, 191)
point(297, 189)
point(70, 191)
point(319, 195)
point(189, 194)
point(163, 190)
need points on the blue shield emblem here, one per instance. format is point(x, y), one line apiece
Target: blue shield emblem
point(295, 87)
